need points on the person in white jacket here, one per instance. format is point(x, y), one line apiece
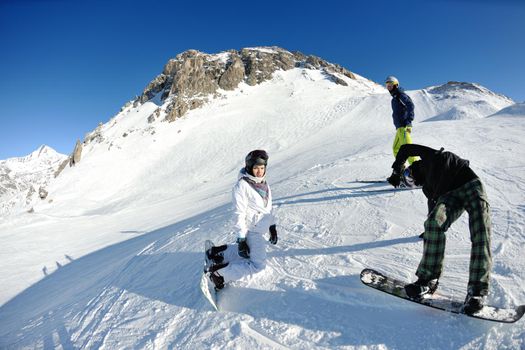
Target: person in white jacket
point(252, 201)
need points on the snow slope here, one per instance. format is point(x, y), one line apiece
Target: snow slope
point(114, 261)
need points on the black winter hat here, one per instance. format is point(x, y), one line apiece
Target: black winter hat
point(418, 172)
point(255, 157)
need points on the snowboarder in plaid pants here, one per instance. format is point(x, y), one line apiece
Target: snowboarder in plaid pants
point(451, 188)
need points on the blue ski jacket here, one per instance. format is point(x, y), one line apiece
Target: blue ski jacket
point(402, 108)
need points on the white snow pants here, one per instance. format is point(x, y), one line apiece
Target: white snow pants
point(239, 267)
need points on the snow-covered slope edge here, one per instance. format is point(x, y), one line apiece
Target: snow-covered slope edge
point(517, 110)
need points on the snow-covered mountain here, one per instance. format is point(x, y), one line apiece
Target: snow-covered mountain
point(24, 180)
point(112, 257)
point(458, 101)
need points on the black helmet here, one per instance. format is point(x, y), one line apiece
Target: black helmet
point(256, 157)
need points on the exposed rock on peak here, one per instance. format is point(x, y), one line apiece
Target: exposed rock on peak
point(192, 77)
point(233, 74)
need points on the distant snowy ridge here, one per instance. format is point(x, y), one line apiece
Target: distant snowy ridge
point(458, 101)
point(43, 157)
point(456, 89)
point(24, 179)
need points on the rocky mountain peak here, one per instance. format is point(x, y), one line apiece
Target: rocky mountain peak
point(43, 155)
point(44, 151)
point(193, 77)
point(21, 177)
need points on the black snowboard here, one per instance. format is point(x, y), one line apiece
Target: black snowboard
point(396, 287)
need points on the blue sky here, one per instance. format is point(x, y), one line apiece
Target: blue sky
point(67, 65)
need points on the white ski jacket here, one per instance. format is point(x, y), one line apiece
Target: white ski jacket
point(250, 212)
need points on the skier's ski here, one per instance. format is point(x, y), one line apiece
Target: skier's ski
point(396, 287)
point(384, 182)
point(371, 181)
point(207, 287)
point(386, 190)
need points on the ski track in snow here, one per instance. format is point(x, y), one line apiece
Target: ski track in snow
point(143, 291)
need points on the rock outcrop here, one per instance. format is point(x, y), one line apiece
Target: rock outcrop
point(190, 79)
point(77, 153)
point(233, 74)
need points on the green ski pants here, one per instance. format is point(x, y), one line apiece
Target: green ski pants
point(472, 198)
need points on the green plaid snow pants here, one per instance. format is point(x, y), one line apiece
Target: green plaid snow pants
point(449, 207)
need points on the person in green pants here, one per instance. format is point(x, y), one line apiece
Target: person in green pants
point(451, 188)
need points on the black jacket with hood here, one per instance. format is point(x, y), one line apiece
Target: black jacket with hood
point(438, 171)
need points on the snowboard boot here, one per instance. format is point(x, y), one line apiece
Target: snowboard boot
point(217, 280)
point(421, 287)
point(216, 254)
point(215, 277)
point(474, 302)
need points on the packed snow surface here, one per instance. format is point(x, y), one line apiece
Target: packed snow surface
point(113, 258)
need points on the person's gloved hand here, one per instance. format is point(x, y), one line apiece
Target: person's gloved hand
point(273, 234)
point(394, 179)
point(244, 250)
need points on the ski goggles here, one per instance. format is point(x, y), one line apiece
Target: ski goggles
point(407, 179)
